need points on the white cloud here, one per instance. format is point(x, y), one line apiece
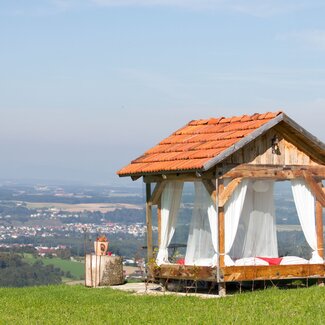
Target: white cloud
point(314, 38)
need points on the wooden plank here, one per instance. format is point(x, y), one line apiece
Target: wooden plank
point(271, 171)
point(228, 191)
point(300, 142)
point(149, 222)
point(272, 272)
point(314, 187)
point(211, 189)
point(221, 226)
point(157, 192)
point(319, 229)
point(239, 273)
point(185, 272)
point(182, 177)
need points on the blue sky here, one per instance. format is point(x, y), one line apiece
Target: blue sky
point(88, 85)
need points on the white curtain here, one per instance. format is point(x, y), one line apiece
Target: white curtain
point(233, 210)
point(261, 237)
point(170, 204)
point(202, 243)
point(256, 234)
point(305, 205)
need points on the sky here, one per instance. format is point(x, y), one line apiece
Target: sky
point(88, 85)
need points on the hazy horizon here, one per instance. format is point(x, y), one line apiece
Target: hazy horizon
point(88, 85)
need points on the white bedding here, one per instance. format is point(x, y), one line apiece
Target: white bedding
point(251, 261)
point(290, 260)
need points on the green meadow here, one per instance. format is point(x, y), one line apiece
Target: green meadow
point(79, 305)
point(77, 269)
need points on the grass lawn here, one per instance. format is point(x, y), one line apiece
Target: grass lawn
point(77, 269)
point(80, 305)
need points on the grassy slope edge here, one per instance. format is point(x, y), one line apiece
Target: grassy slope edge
point(80, 305)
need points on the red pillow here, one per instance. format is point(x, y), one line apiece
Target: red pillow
point(180, 261)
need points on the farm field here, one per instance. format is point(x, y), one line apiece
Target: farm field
point(77, 269)
point(79, 305)
point(102, 207)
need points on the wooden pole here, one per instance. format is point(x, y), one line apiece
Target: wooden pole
point(319, 229)
point(149, 221)
point(221, 227)
point(221, 233)
point(159, 220)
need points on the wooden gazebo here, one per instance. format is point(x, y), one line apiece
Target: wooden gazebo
point(221, 153)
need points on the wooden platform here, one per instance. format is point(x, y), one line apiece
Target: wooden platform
point(239, 273)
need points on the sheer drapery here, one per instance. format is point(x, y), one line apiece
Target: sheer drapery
point(261, 237)
point(305, 205)
point(202, 243)
point(256, 233)
point(170, 204)
point(233, 210)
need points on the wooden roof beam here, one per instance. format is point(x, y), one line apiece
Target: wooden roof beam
point(181, 177)
point(271, 171)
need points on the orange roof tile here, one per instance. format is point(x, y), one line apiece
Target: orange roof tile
point(196, 144)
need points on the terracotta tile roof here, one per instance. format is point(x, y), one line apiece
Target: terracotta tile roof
point(192, 146)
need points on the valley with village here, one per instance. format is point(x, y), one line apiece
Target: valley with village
point(61, 222)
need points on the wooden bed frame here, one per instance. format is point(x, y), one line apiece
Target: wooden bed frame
point(238, 273)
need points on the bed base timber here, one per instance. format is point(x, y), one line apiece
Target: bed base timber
point(238, 273)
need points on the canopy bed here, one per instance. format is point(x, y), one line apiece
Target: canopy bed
point(233, 163)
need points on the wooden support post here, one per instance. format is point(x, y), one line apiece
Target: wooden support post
point(222, 289)
point(221, 233)
point(221, 227)
point(149, 221)
point(159, 221)
point(319, 229)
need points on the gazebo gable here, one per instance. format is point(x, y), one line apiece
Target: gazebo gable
point(202, 144)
